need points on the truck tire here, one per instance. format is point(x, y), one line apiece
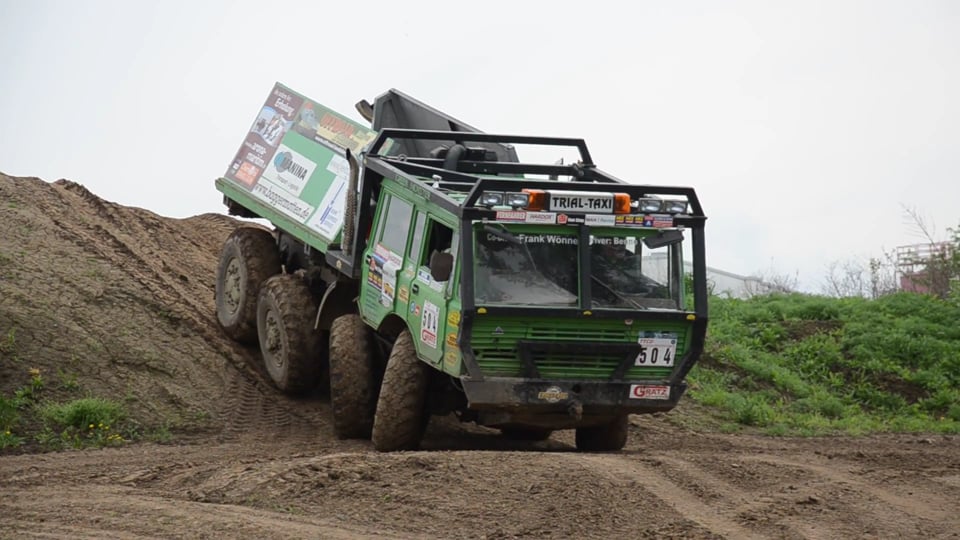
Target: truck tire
point(353, 387)
point(603, 438)
point(526, 433)
point(401, 408)
point(249, 256)
point(288, 342)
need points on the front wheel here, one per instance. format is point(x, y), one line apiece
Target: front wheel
point(401, 408)
point(289, 343)
point(603, 438)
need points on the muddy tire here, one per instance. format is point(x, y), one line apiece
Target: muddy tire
point(288, 342)
point(604, 438)
point(526, 433)
point(249, 256)
point(401, 408)
point(353, 386)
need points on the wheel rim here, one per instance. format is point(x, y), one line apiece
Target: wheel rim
point(274, 339)
point(232, 286)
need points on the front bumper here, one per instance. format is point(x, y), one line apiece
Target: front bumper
point(552, 397)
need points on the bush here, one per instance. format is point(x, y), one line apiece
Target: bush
point(801, 364)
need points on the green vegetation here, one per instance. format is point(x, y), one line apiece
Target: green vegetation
point(808, 365)
point(29, 416)
point(81, 423)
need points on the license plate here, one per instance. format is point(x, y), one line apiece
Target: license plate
point(656, 352)
point(593, 203)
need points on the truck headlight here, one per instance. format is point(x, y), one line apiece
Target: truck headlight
point(517, 200)
point(675, 207)
point(647, 206)
point(491, 198)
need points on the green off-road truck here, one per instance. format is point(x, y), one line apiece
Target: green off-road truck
point(422, 268)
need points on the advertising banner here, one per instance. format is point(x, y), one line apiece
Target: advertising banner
point(293, 160)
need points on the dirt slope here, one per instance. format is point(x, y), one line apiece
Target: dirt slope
point(123, 299)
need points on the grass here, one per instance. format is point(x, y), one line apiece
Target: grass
point(81, 423)
point(808, 365)
point(28, 416)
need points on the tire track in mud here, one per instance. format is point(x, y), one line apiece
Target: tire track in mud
point(690, 505)
point(101, 511)
point(248, 405)
point(919, 504)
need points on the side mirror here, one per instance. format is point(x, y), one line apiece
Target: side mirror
point(441, 265)
point(663, 238)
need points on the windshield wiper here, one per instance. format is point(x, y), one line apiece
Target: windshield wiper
point(503, 234)
point(617, 294)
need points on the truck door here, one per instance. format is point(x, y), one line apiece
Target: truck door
point(427, 311)
point(384, 258)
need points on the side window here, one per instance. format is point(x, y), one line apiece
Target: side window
point(455, 249)
point(396, 225)
point(439, 238)
point(417, 242)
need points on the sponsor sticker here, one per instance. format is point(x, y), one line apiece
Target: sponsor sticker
point(541, 217)
point(289, 170)
point(511, 215)
point(599, 220)
point(450, 359)
point(658, 221)
point(429, 323)
point(453, 318)
point(451, 340)
point(562, 219)
point(644, 391)
point(403, 294)
point(389, 281)
point(552, 394)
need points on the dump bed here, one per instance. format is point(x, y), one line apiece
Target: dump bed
point(291, 168)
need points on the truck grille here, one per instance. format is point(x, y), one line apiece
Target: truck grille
point(496, 350)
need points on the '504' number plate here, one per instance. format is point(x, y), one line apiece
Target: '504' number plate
point(656, 352)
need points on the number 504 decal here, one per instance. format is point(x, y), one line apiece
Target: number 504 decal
point(656, 352)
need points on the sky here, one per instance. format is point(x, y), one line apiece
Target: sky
point(806, 127)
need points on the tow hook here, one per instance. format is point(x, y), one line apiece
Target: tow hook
point(575, 409)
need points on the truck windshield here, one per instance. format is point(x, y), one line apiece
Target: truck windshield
point(625, 274)
point(525, 269)
point(518, 267)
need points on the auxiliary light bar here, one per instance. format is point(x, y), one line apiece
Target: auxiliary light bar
point(537, 200)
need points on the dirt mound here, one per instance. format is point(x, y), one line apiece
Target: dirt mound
point(120, 301)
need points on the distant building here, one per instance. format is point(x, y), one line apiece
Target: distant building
point(719, 282)
point(914, 269)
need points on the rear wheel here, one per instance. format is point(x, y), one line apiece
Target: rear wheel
point(249, 256)
point(353, 387)
point(603, 438)
point(289, 343)
point(401, 408)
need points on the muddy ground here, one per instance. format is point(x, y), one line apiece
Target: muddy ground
point(120, 301)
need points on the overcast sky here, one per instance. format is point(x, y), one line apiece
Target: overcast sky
point(805, 126)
